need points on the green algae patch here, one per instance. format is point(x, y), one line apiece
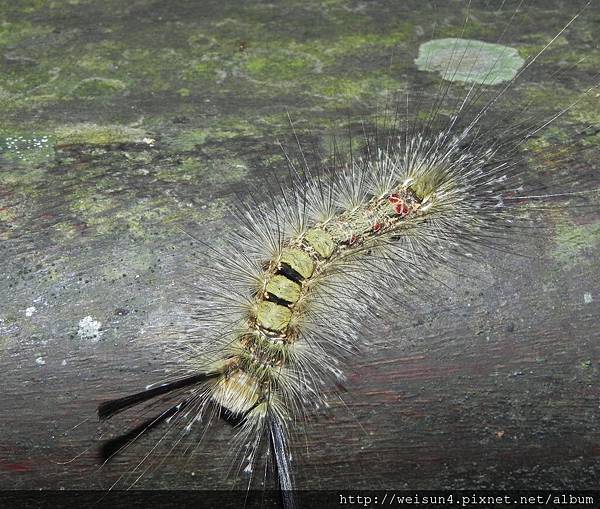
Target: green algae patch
point(94, 87)
point(574, 240)
point(281, 66)
point(186, 141)
point(362, 86)
point(218, 172)
point(587, 109)
point(23, 179)
point(92, 134)
point(469, 60)
point(228, 128)
point(12, 33)
point(227, 171)
point(550, 137)
point(107, 216)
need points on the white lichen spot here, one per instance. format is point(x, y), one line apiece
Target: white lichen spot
point(64, 362)
point(29, 311)
point(40, 361)
point(89, 329)
point(149, 141)
point(469, 60)
point(587, 298)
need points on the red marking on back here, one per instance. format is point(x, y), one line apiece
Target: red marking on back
point(400, 207)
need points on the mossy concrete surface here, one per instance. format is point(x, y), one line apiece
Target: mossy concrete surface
point(129, 132)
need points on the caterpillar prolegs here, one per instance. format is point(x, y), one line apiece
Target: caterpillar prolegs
point(312, 259)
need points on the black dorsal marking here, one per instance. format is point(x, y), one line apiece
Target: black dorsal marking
point(287, 271)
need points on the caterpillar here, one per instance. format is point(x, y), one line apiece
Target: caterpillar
point(281, 308)
point(284, 298)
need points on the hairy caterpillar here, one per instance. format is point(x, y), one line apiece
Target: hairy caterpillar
point(308, 262)
point(398, 211)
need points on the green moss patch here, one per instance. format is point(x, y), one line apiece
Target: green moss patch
point(573, 240)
